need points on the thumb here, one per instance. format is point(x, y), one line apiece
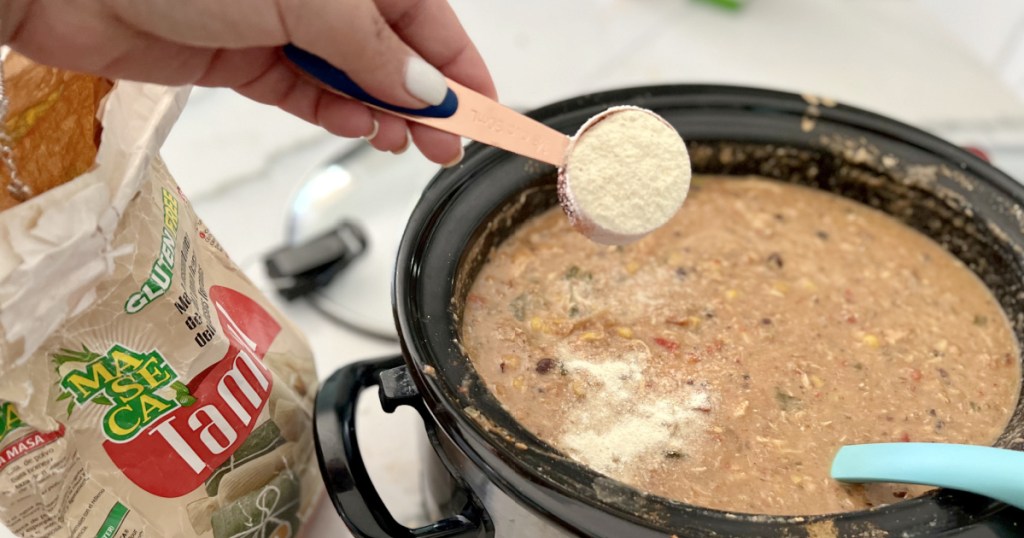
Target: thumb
point(353, 36)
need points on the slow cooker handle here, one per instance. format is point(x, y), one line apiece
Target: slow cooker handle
point(345, 475)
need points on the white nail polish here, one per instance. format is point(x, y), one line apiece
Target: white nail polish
point(424, 81)
point(374, 131)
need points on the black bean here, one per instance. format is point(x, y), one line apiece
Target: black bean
point(681, 272)
point(766, 321)
point(822, 234)
point(775, 260)
point(545, 365)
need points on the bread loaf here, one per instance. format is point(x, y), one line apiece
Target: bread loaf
point(51, 124)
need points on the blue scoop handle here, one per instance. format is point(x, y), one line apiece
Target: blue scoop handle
point(337, 80)
point(993, 472)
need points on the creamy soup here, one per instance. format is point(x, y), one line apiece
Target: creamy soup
point(722, 360)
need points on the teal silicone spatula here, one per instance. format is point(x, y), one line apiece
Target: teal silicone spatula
point(993, 472)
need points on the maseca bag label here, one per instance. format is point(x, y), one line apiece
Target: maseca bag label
point(148, 388)
point(185, 430)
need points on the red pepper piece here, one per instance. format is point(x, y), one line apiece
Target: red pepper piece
point(666, 343)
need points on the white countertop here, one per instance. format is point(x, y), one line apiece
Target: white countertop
point(239, 162)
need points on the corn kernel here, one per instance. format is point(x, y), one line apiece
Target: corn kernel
point(731, 294)
point(591, 336)
point(536, 323)
point(578, 389)
point(511, 362)
point(519, 383)
point(632, 267)
point(871, 340)
point(624, 332)
point(817, 382)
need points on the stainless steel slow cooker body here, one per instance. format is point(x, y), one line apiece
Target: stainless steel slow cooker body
point(491, 477)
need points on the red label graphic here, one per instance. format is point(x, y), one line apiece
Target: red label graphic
point(176, 454)
point(29, 443)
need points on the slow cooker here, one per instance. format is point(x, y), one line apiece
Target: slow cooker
point(487, 476)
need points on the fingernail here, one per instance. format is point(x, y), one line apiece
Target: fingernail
point(373, 132)
point(456, 160)
point(425, 82)
point(408, 142)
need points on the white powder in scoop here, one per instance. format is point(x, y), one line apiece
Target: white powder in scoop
point(626, 173)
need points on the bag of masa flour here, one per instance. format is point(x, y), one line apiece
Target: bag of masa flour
point(146, 387)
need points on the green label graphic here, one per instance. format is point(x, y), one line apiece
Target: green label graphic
point(113, 522)
point(162, 273)
point(9, 419)
point(125, 381)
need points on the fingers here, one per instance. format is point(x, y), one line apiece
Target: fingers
point(202, 23)
point(280, 86)
point(12, 16)
point(432, 29)
point(353, 36)
point(344, 117)
point(393, 134)
point(437, 146)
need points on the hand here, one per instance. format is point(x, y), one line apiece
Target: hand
point(389, 47)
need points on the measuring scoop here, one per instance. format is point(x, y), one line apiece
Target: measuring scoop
point(622, 216)
point(992, 472)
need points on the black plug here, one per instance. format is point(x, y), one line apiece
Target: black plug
point(299, 270)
